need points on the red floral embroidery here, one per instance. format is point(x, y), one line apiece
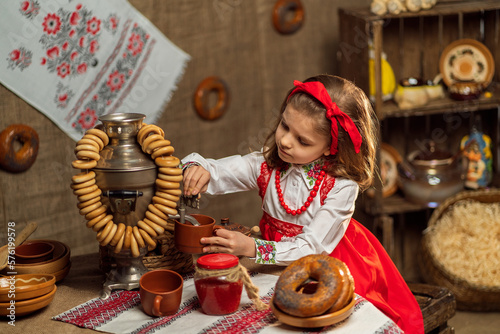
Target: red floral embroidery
point(53, 52)
point(135, 44)
point(19, 58)
point(74, 18)
point(93, 25)
point(94, 46)
point(63, 70)
point(87, 119)
point(15, 54)
point(51, 24)
point(115, 81)
point(30, 8)
point(82, 68)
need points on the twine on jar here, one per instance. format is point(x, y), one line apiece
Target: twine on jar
point(235, 274)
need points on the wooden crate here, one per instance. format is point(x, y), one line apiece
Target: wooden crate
point(413, 42)
point(437, 305)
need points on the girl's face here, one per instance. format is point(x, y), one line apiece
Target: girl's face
point(297, 139)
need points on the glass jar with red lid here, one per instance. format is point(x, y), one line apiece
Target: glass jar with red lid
point(218, 283)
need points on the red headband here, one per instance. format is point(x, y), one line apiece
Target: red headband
point(333, 113)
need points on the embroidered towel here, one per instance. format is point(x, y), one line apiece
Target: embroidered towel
point(77, 60)
point(122, 313)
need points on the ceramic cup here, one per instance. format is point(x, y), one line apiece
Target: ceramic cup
point(187, 236)
point(161, 292)
point(33, 252)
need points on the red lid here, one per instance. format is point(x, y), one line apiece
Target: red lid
point(217, 261)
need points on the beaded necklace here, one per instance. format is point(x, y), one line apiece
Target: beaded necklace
point(310, 198)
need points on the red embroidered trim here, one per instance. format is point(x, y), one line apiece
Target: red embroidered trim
point(263, 179)
point(283, 228)
point(327, 185)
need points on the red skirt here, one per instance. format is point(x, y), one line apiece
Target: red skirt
point(377, 279)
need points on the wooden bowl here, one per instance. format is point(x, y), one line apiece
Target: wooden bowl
point(28, 306)
point(23, 287)
point(58, 263)
point(34, 252)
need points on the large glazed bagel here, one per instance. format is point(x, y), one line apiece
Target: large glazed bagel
point(333, 291)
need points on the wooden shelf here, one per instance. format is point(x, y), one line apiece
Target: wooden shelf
point(446, 105)
point(442, 8)
point(412, 43)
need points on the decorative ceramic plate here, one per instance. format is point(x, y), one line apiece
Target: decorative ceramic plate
point(26, 286)
point(29, 306)
point(389, 160)
point(317, 321)
point(466, 60)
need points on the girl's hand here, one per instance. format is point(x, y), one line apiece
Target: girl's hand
point(196, 179)
point(229, 242)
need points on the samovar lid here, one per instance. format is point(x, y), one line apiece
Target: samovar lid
point(123, 153)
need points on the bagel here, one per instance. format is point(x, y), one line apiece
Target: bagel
point(86, 141)
point(83, 177)
point(119, 244)
point(155, 144)
point(120, 231)
point(89, 202)
point(13, 160)
point(174, 171)
point(87, 190)
point(147, 238)
point(99, 133)
point(149, 140)
point(167, 196)
point(332, 277)
point(88, 183)
point(167, 150)
point(170, 178)
point(95, 139)
point(84, 164)
point(167, 161)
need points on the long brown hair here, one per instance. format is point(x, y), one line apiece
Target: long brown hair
point(351, 100)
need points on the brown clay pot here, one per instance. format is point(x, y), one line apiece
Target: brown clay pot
point(34, 252)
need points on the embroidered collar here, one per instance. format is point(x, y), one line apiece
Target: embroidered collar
point(309, 172)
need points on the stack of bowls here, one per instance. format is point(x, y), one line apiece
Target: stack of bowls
point(41, 257)
point(23, 294)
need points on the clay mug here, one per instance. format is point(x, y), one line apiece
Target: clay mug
point(187, 236)
point(161, 292)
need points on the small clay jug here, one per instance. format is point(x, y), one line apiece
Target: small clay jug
point(161, 292)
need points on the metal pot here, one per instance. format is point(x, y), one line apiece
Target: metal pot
point(429, 177)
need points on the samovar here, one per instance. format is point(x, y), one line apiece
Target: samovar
point(126, 177)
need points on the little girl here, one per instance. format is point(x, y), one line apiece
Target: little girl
point(321, 153)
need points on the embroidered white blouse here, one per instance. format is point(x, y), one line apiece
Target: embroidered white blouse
point(323, 225)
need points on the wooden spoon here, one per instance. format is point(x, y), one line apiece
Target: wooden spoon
point(19, 239)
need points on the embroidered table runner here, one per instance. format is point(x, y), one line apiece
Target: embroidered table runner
point(77, 60)
point(122, 313)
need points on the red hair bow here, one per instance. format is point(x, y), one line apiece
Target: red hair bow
point(317, 90)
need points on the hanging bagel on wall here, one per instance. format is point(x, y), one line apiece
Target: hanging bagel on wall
point(202, 95)
point(18, 160)
point(288, 16)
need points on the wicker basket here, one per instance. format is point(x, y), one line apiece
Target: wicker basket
point(165, 256)
point(170, 257)
point(469, 296)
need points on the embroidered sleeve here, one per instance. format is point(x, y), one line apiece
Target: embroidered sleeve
point(188, 164)
point(266, 251)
